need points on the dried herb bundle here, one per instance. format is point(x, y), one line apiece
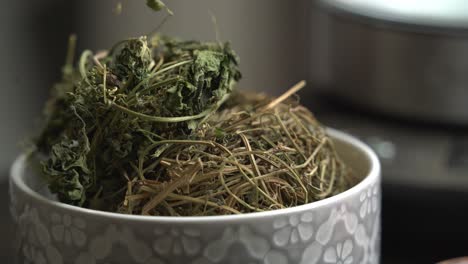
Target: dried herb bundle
point(153, 127)
point(104, 114)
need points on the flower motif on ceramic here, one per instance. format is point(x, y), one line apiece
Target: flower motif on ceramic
point(13, 203)
point(369, 201)
point(138, 250)
point(312, 253)
point(341, 254)
point(100, 247)
point(326, 229)
point(374, 244)
point(88, 259)
point(369, 241)
point(361, 236)
point(275, 257)
point(68, 230)
point(218, 249)
point(177, 242)
point(32, 255)
point(36, 255)
point(257, 247)
point(22, 227)
point(36, 245)
point(291, 231)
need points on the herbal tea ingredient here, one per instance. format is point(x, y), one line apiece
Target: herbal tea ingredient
point(247, 157)
point(104, 114)
point(154, 127)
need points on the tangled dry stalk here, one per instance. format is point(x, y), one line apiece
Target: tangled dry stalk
point(254, 155)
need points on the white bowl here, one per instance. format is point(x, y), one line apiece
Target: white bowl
point(344, 228)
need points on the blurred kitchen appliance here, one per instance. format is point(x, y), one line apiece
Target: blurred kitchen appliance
point(395, 74)
point(425, 180)
point(404, 58)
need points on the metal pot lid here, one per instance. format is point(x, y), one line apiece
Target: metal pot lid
point(425, 13)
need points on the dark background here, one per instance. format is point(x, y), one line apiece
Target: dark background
point(279, 42)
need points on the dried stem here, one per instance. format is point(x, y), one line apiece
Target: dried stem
point(273, 157)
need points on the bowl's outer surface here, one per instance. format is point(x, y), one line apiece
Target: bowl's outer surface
point(341, 229)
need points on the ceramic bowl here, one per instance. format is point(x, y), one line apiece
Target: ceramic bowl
point(342, 229)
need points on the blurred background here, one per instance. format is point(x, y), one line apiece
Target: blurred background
point(393, 73)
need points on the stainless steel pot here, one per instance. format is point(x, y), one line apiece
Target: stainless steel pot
point(407, 58)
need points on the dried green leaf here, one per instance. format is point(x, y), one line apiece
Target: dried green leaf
point(133, 60)
point(156, 5)
point(99, 128)
point(67, 168)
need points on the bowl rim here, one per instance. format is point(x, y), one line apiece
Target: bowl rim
point(17, 169)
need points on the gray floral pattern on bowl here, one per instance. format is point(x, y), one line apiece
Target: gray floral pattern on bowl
point(342, 229)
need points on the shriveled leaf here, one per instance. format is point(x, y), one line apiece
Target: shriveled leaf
point(100, 129)
point(156, 5)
